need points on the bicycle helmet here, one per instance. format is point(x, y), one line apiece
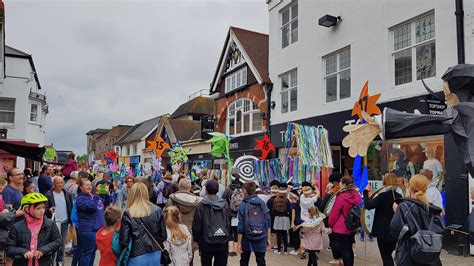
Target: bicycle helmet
point(31, 199)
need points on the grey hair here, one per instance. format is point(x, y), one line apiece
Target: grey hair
point(184, 185)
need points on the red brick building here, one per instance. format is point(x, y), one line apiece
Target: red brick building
point(240, 89)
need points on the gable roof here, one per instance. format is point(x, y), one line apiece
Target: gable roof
point(97, 131)
point(13, 52)
point(139, 131)
point(254, 45)
point(200, 105)
point(185, 130)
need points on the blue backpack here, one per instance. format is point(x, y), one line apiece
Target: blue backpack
point(255, 222)
point(122, 255)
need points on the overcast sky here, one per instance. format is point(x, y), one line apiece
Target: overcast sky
point(103, 63)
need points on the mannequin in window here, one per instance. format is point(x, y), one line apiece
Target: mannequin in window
point(432, 163)
point(402, 166)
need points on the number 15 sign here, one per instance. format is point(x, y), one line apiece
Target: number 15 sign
point(159, 145)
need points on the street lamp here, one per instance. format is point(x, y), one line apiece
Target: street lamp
point(328, 21)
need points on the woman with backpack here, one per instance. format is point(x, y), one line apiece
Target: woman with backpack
point(164, 189)
point(383, 216)
point(413, 216)
point(281, 213)
point(234, 195)
point(346, 199)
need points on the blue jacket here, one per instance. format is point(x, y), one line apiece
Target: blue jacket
point(90, 213)
point(254, 245)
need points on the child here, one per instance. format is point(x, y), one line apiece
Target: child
point(34, 240)
point(312, 229)
point(295, 221)
point(281, 218)
point(179, 238)
point(104, 236)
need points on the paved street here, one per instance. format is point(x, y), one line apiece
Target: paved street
point(371, 259)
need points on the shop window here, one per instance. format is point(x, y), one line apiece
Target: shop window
point(337, 75)
point(289, 91)
point(289, 25)
point(414, 45)
point(244, 117)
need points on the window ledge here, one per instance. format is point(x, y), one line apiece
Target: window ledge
point(410, 84)
point(7, 125)
point(247, 134)
point(340, 101)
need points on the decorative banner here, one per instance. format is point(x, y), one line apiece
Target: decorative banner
point(366, 103)
point(112, 155)
point(178, 154)
point(245, 164)
point(265, 146)
point(49, 154)
point(220, 147)
point(360, 136)
point(158, 145)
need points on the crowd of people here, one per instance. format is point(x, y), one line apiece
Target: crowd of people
point(174, 219)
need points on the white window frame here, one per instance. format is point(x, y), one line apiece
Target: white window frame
point(289, 90)
point(232, 82)
point(412, 47)
point(289, 24)
point(253, 109)
point(8, 111)
point(337, 73)
point(32, 114)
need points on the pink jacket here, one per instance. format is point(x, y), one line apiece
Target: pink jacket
point(342, 206)
point(312, 239)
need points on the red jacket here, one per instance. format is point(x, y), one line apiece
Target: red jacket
point(104, 245)
point(342, 206)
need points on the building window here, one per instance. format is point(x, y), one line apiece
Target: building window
point(128, 151)
point(7, 110)
point(337, 75)
point(135, 149)
point(414, 45)
point(236, 80)
point(34, 113)
point(289, 91)
point(289, 25)
point(244, 117)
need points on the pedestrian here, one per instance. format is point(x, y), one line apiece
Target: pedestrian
point(220, 193)
point(432, 193)
point(413, 214)
point(186, 202)
point(12, 193)
point(142, 225)
point(72, 184)
point(211, 227)
point(28, 187)
point(347, 198)
point(179, 238)
point(90, 214)
point(123, 193)
point(45, 183)
point(295, 208)
point(308, 198)
point(164, 189)
point(253, 227)
point(35, 179)
point(281, 212)
point(312, 239)
point(234, 195)
point(103, 188)
point(35, 239)
point(70, 166)
point(383, 216)
point(274, 184)
point(60, 204)
point(104, 236)
point(27, 173)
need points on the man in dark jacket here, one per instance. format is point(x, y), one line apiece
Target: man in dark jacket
point(252, 240)
point(60, 203)
point(211, 227)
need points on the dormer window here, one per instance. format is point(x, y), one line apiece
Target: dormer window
point(236, 79)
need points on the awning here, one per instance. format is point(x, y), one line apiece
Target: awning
point(22, 149)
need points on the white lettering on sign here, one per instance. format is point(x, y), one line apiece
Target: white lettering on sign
point(376, 184)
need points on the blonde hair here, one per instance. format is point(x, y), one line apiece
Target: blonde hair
point(418, 187)
point(313, 211)
point(173, 223)
point(390, 179)
point(138, 204)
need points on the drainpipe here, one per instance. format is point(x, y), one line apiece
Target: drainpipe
point(269, 88)
point(460, 31)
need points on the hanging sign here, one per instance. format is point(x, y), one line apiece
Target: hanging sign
point(265, 146)
point(158, 145)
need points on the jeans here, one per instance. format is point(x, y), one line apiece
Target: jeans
point(63, 232)
point(220, 258)
point(312, 258)
point(386, 248)
point(146, 259)
point(86, 248)
point(342, 248)
point(282, 238)
point(245, 258)
point(77, 254)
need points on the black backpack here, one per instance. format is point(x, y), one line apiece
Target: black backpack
point(216, 226)
point(167, 189)
point(352, 220)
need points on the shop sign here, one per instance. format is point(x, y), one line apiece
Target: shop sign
point(207, 126)
point(234, 146)
point(135, 159)
point(376, 184)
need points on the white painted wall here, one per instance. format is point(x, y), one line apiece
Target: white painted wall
point(365, 27)
point(18, 84)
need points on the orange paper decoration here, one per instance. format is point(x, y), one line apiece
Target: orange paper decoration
point(159, 145)
point(366, 103)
